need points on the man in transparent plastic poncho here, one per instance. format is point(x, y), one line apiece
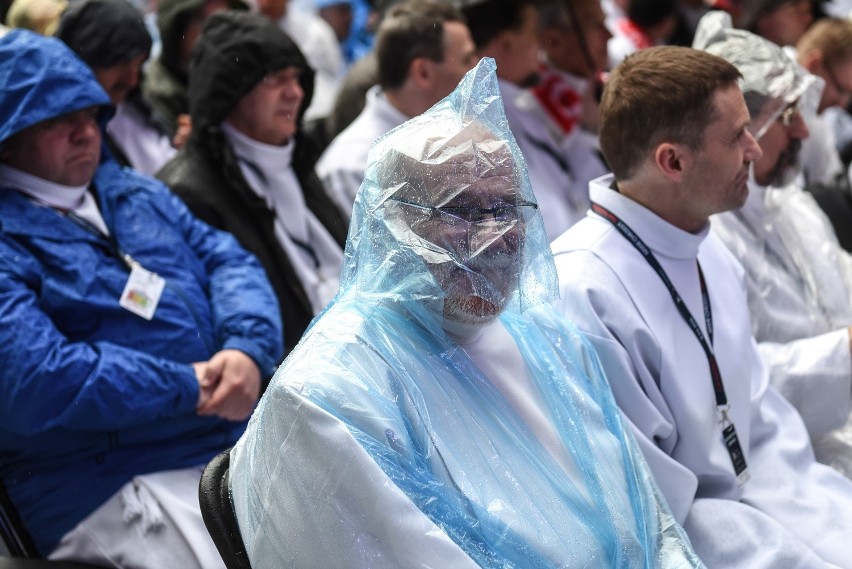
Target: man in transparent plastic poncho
point(439, 413)
point(799, 279)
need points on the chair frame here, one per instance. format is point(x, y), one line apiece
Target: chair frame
point(217, 511)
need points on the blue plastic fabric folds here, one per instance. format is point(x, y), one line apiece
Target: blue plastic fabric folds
point(381, 442)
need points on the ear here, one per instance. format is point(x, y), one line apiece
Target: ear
point(421, 72)
point(671, 159)
point(552, 38)
point(812, 61)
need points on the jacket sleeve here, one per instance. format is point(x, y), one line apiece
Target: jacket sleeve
point(245, 309)
point(47, 381)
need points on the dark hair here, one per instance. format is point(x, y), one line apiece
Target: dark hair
point(410, 30)
point(656, 95)
point(490, 18)
point(104, 32)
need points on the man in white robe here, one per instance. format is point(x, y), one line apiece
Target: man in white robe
point(423, 49)
point(440, 413)
point(509, 33)
point(664, 303)
point(799, 279)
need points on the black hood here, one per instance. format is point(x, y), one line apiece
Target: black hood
point(104, 32)
point(234, 53)
point(173, 17)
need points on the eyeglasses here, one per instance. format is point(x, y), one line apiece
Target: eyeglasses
point(841, 91)
point(501, 213)
point(789, 114)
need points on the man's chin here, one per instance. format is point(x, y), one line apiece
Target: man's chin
point(471, 310)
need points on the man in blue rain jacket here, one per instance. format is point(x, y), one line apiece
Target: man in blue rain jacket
point(132, 336)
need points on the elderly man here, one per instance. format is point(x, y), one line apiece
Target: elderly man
point(664, 303)
point(133, 336)
point(799, 280)
point(423, 50)
point(111, 37)
point(248, 170)
point(440, 414)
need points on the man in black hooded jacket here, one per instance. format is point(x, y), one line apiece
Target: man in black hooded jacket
point(111, 37)
point(248, 170)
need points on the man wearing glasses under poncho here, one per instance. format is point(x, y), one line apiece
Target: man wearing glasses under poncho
point(440, 413)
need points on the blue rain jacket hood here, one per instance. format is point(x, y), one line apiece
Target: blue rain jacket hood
point(379, 401)
point(41, 78)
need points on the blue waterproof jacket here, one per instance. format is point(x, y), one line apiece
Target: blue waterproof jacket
point(90, 393)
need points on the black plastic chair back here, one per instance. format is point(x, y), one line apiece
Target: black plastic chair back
point(214, 494)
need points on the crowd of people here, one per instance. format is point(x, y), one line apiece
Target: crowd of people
point(480, 283)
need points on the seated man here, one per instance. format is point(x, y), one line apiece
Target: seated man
point(798, 278)
point(133, 336)
point(664, 303)
point(826, 51)
point(423, 49)
point(167, 75)
point(439, 413)
point(246, 168)
point(111, 37)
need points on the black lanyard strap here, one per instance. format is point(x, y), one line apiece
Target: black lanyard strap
point(729, 433)
point(636, 241)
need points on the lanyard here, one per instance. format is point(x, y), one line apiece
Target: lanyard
point(728, 432)
point(129, 261)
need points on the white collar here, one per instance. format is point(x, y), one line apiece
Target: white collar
point(49, 193)
point(658, 234)
point(266, 157)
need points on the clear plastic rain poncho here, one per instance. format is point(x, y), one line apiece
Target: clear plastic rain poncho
point(771, 80)
point(799, 278)
point(380, 443)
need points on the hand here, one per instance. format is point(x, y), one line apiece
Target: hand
point(229, 385)
point(182, 131)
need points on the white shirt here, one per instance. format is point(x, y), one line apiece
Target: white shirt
point(560, 201)
point(341, 166)
point(316, 257)
point(67, 198)
point(145, 147)
point(793, 512)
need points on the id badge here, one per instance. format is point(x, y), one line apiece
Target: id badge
point(732, 443)
point(142, 292)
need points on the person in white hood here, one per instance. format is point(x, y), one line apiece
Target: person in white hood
point(799, 279)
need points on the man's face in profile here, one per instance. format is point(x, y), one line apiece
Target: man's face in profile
point(470, 229)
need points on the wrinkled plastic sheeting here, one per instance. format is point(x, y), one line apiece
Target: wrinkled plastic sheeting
point(770, 77)
point(379, 443)
point(448, 192)
point(791, 219)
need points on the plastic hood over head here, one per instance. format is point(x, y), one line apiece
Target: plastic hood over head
point(446, 213)
point(41, 78)
point(771, 80)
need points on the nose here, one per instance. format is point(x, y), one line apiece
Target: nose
point(798, 129)
point(752, 153)
point(84, 127)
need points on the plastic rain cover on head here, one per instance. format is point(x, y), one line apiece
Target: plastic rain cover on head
point(381, 443)
point(771, 80)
